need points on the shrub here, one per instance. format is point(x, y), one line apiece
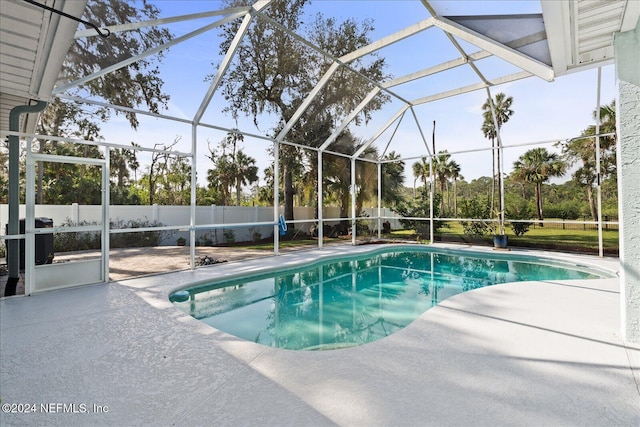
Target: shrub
point(419, 208)
point(362, 225)
point(205, 239)
point(85, 240)
point(256, 236)
point(475, 209)
point(229, 235)
point(76, 241)
point(521, 211)
point(565, 210)
point(136, 240)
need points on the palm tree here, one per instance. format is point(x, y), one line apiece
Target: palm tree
point(337, 181)
point(503, 112)
point(118, 165)
point(337, 174)
point(246, 172)
point(453, 170)
point(366, 179)
point(233, 168)
point(222, 176)
point(607, 118)
point(441, 171)
point(536, 166)
point(489, 131)
point(132, 160)
point(584, 149)
point(392, 179)
point(421, 171)
point(176, 181)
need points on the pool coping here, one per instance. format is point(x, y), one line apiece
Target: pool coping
point(293, 260)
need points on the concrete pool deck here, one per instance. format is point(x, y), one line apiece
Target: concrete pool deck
point(532, 353)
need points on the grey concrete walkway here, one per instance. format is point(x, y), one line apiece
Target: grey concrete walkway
point(536, 353)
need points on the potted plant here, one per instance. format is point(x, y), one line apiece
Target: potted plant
point(500, 239)
point(181, 241)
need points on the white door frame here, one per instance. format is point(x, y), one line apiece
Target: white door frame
point(63, 275)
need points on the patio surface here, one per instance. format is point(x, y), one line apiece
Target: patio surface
point(531, 353)
point(135, 262)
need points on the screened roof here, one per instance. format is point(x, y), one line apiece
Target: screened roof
point(435, 50)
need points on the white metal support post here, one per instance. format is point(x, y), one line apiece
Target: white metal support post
point(320, 202)
point(276, 197)
point(353, 201)
point(598, 174)
point(106, 223)
point(431, 181)
point(432, 187)
point(192, 211)
point(379, 199)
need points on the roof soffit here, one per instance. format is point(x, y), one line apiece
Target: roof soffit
point(33, 46)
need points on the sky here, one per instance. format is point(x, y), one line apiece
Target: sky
point(543, 111)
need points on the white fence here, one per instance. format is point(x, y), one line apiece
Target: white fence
point(178, 216)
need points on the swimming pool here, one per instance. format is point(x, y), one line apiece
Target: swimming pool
point(355, 300)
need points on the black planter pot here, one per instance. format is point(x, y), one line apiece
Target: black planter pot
point(500, 241)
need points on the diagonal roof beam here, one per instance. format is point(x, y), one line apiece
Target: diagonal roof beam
point(307, 43)
point(431, 98)
point(465, 59)
point(476, 56)
point(498, 49)
point(90, 32)
point(393, 134)
point(308, 100)
point(386, 126)
point(471, 88)
point(424, 139)
point(345, 59)
point(389, 40)
point(144, 54)
point(455, 43)
point(427, 72)
point(226, 62)
point(349, 118)
point(401, 113)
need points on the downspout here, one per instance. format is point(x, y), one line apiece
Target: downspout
point(13, 245)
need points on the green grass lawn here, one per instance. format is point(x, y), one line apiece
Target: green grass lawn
point(569, 238)
point(575, 239)
point(551, 237)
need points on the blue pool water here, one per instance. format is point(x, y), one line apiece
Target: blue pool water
point(353, 301)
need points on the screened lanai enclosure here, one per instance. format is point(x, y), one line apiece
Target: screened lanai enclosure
point(272, 126)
